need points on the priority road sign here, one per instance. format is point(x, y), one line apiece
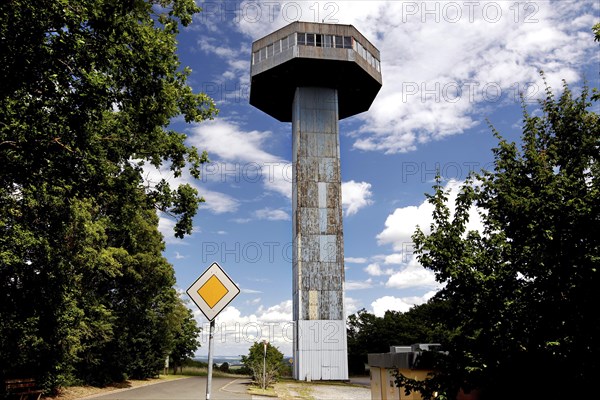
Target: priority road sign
point(213, 291)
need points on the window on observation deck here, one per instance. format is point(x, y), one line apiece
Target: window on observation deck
point(284, 44)
point(318, 40)
point(347, 42)
point(338, 42)
point(301, 38)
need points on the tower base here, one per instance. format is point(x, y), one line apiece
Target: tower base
point(320, 350)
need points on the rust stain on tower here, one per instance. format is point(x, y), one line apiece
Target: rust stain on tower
point(313, 75)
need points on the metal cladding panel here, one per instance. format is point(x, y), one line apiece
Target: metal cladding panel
point(320, 352)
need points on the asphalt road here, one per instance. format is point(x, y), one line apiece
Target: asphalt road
point(185, 389)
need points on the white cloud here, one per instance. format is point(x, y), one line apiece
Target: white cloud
point(218, 202)
point(244, 156)
point(395, 258)
point(375, 270)
point(414, 275)
point(358, 285)
point(250, 291)
point(228, 141)
point(355, 195)
point(207, 45)
point(402, 223)
point(351, 305)
point(355, 260)
point(391, 303)
point(215, 202)
point(272, 215)
point(236, 332)
point(444, 61)
point(165, 226)
point(254, 301)
point(276, 313)
point(237, 60)
point(179, 256)
point(400, 226)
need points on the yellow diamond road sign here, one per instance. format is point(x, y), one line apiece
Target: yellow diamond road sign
point(213, 291)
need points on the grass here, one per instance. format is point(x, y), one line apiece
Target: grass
point(289, 389)
point(270, 391)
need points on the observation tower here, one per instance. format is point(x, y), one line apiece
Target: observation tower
point(313, 75)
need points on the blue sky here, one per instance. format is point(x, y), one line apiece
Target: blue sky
point(446, 66)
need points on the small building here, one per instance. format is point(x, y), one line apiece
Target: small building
point(409, 360)
point(413, 362)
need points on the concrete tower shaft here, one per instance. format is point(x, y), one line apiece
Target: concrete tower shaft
point(314, 75)
point(320, 350)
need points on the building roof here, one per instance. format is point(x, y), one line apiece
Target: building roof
point(416, 356)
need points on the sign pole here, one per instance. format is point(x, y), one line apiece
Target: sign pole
point(211, 335)
point(265, 364)
point(212, 292)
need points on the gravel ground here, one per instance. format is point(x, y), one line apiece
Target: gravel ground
point(290, 390)
point(337, 392)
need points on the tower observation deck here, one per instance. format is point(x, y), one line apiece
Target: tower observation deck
point(313, 75)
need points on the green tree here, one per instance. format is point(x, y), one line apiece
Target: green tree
point(273, 367)
point(368, 333)
point(523, 293)
point(89, 89)
point(186, 340)
point(224, 367)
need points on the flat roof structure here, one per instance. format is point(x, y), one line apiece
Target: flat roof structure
point(312, 54)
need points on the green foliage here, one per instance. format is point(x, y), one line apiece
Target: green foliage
point(88, 91)
point(523, 293)
point(224, 367)
point(255, 361)
point(185, 341)
point(368, 333)
point(194, 363)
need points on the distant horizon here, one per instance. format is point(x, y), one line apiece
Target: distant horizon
point(222, 359)
point(196, 357)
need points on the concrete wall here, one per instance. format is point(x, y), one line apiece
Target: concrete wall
point(383, 383)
